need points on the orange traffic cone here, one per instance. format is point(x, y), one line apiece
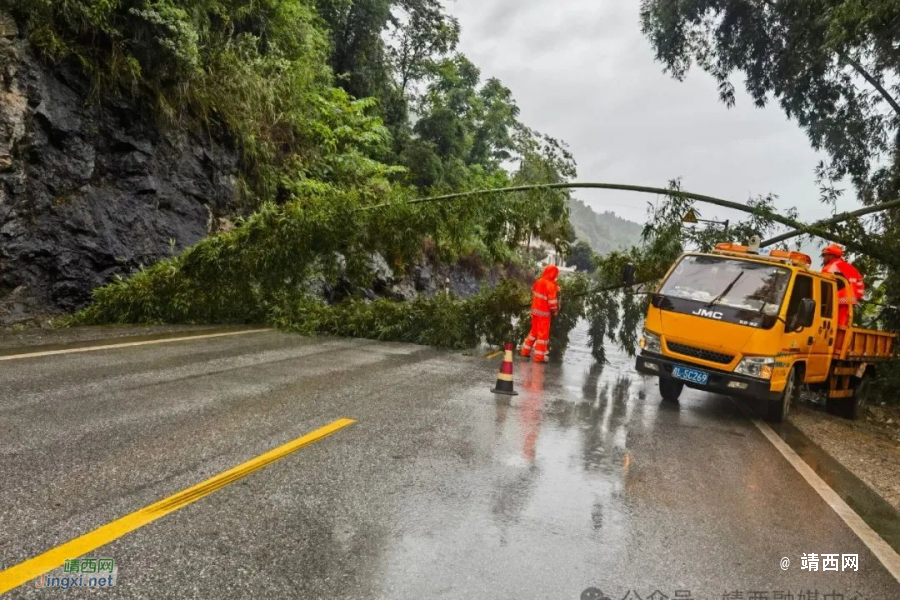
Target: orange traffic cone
point(505, 376)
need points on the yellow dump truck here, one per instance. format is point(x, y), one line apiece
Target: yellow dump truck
point(758, 324)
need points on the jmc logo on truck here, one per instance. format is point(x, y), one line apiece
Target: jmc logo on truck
point(711, 314)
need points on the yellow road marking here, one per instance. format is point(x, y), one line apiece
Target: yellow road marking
point(129, 344)
point(34, 567)
point(493, 354)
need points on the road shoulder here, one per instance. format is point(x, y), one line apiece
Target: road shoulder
point(868, 448)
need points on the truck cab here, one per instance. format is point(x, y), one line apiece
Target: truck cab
point(752, 324)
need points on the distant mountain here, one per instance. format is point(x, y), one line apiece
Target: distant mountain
point(605, 232)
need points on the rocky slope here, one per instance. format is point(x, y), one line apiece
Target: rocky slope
point(91, 190)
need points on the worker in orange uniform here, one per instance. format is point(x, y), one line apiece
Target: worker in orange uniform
point(544, 303)
point(833, 262)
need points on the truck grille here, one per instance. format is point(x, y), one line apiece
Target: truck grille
point(716, 357)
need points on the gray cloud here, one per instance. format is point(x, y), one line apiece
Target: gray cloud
point(581, 71)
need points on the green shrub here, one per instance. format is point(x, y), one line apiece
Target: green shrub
point(240, 275)
point(441, 321)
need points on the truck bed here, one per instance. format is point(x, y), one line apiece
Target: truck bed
point(866, 345)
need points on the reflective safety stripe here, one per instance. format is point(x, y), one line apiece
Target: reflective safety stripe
point(530, 338)
point(536, 353)
point(539, 295)
point(539, 313)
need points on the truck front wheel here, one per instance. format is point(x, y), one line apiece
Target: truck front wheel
point(779, 409)
point(670, 389)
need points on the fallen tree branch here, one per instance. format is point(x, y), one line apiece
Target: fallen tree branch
point(815, 229)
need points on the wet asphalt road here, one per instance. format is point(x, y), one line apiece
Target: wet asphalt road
point(440, 490)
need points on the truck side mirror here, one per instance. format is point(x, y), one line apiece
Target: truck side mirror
point(628, 275)
point(806, 314)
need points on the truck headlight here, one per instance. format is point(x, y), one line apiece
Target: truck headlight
point(650, 342)
point(756, 366)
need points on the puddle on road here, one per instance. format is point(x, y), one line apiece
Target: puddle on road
point(605, 414)
point(566, 437)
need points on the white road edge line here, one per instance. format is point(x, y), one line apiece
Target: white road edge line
point(130, 344)
point(881, 549)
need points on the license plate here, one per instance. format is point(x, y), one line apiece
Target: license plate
point(692, 375)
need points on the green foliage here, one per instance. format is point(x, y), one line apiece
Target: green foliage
point(573, 292)
point(441, 321)
point(258, 70)
point(255, 68)
point(832, 65)
point(238, 276)
point(315, 94)
point(582, 257)
point(358, 56)
point(169, 292)
point(420, 34)
point(464, 129)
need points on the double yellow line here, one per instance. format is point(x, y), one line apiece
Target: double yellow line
point(34, 567)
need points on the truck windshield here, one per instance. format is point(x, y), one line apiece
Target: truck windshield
point(743, 291)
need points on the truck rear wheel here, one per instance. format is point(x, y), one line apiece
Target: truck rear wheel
point(855, 406)
point(670, 389)
point(779, 409)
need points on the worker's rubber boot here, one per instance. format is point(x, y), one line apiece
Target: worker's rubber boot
point(525, 352)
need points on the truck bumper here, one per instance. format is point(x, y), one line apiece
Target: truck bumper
point(720, 382)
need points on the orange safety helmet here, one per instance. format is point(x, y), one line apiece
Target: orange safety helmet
point(833, 250)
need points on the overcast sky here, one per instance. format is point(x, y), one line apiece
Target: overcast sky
point(581, 71)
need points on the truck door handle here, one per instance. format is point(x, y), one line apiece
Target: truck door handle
point(810, 340)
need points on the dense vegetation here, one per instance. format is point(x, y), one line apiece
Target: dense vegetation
point(341, 111)
point(261, 71)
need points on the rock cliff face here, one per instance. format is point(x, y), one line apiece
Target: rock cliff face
point(94, 189)
point(90, 190)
